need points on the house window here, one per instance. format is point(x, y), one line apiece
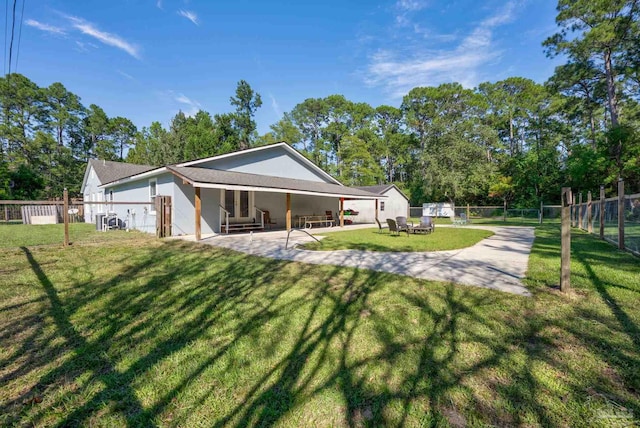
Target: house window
point(381, 205)
point(244, 203)
point(153, 192)
point(229, 202)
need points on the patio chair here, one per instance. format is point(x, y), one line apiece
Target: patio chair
point(403, 225)
point(461, 220)
point(394, 229)
point(379, 225)
point(268, 222)
point(426, 225)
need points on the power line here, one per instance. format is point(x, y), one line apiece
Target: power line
point(6, 25)
point(19, 36)
point(13, 28)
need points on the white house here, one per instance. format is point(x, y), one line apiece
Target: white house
point(391, 204)
point(100, 172)
point(235, 189)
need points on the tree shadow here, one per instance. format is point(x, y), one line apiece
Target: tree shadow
point(426, 344)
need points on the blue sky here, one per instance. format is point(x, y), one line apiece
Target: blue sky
point(148, 59)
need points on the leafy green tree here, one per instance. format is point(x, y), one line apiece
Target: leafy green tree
point(122, 133)
point(246, 102)
point(450, 162)
point(64, 111)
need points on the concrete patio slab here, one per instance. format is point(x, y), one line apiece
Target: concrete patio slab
point(498, 262)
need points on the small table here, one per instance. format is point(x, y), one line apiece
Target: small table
point(421, 229)
point(309, 220)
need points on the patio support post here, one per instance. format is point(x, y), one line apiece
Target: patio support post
point(198, 204)
point(376, 208)
point(341, 212)
point(288, 211)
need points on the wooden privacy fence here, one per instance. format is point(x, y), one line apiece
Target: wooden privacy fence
point(31, 212)
point(615, 219)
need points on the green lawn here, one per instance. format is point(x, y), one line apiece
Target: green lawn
point(16, 235)
point(143, 332)
point(441, 239)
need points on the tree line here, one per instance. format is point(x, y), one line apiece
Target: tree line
point(514, 140)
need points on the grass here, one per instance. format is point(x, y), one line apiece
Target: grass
point(371, 240)
point(143, 332)
point(16, 235)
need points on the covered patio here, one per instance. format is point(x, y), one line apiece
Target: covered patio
point(225, 201)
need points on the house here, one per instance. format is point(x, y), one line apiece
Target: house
point(100, 172)
point(391, 203)
point(212, 195)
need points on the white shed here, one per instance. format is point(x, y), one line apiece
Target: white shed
point(392, 204)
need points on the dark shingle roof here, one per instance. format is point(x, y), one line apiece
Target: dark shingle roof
point(379, 189)
point(214, 176)
point(108, 171)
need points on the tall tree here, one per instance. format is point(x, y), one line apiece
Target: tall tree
point(65, 111)
point(122, 132)
point(246, 102)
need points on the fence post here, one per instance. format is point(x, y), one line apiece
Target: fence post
point(541, 211)
point(65, 216)
point(589, 213)
point(621, 214)
point(602, 207)
point(579, 221)
point(565, 252)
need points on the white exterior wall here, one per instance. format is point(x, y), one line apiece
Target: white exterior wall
point(138, 216)
point(184, 210)
point(395, 205)
point(275, 162)
point(91, 192)
point(275, 203)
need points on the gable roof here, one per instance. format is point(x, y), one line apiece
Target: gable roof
point(214, 178)
point(296, 154)
point(381, 189)
point(108, 171)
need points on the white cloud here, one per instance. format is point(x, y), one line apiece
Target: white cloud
point(193, 105)
point(411, 5)
point(45, 27)
point(114, 40)
point(274, 105)
point(127, 75)
point(159, 4)
point(398, 71)
point(191, 16)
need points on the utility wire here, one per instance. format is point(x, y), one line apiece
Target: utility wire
point(6, 25)
point(13, 27)
point(19, 36)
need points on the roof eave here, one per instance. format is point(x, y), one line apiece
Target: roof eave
point(278, 190)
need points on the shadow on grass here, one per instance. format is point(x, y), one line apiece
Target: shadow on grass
point(394, 356)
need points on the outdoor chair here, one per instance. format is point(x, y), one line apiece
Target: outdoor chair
point(403, 226)
point(268, 222)
point(461, 220)
point(379, 225)
point(394, 229)
point(426, 225)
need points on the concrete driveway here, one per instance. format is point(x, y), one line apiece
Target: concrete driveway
point(498, 262)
